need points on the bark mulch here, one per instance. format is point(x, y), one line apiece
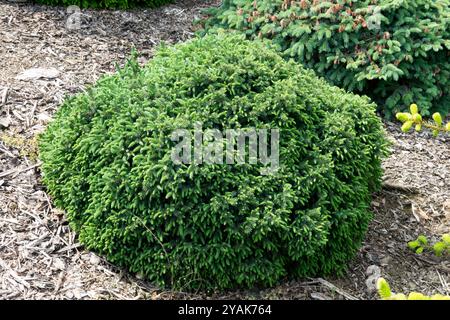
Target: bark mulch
point(40, 257)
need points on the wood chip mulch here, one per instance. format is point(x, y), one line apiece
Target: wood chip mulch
point(40, 257)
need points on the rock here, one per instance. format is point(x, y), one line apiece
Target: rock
point(373, 273)
point(5, 122)
point(38, 73)
point(373, 270)
point(94, 259)
point(59, 264)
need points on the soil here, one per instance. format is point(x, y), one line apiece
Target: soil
point(40, 257)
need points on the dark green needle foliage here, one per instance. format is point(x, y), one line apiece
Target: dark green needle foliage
point(395, 51)
point(102, 4)
point(107, 162)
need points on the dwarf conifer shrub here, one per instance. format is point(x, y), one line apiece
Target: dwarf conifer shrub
point(107, 160)
point(395, 51)
point(101, 4)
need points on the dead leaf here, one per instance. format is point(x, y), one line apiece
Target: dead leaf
point(94, 259)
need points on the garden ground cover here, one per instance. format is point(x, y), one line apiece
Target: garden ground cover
point(41, 258)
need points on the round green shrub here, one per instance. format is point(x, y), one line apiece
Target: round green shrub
point(395, 51)
point(101, 4)
point(107, 162)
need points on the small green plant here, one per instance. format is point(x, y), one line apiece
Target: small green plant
point(440, 248)
point(100, 4)
point(385, 293)
point(414, 118)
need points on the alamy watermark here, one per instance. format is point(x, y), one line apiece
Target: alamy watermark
point(374, 19)
point(212, 146)
point(73, 22)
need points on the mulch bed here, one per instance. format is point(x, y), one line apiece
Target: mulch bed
point(40, 257)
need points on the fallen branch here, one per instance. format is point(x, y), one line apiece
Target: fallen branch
point(334, 288)
point(18, 171)
point(403, 189)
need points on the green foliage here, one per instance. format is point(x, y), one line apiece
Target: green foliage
point(97, 4)
point(402, 59)
point(409, 119)
point(107, 162)
point(440, 249)
point(385, 293)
